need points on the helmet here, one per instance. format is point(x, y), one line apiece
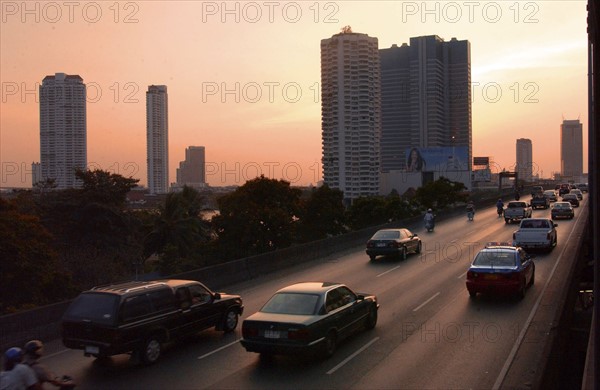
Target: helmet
point(34, 348)
point(500, 200)
point(13, 354)
point(429, 210)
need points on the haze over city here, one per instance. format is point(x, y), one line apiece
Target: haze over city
point(244, 77)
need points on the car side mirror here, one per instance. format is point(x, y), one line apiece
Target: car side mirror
point(360, 297)
point(415, 235)
point(555, 224)
point(217, 296)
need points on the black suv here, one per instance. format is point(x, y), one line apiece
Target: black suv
point(140, 316)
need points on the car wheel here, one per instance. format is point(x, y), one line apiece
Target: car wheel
point(371, 318)
point(330, 344)
point(151, 350)
point(506, 220)
point(403, 253)
point(418, 247)
point(521, 292)
point(372, 257)
point(532, 278)
point(230, 320)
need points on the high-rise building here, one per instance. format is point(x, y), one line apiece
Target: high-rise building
point(191, 172)
point(425, 98)
point(63, 129)
point(157, 139)
point(524, 165)
point(571, 149)
point(351, 118)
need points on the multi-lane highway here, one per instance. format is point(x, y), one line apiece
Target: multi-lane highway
point(430, 334)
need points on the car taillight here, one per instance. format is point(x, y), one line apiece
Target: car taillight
point(548, 236)
point(298, 334)
point(395, 244)
point(369, 244)
point(248, 332)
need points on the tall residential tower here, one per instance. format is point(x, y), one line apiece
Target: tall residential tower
point(524, 165)
point(157, 139)
point(63, 129)
point(571, 149)
point(350, 112)
point(425, 98)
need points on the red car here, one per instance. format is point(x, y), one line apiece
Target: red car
point(501, 268)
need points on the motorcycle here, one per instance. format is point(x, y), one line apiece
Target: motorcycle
point(429, 225)
point(470, 215)
point(517, 196)
point(500, 211)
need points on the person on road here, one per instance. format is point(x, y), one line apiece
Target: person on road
point(500, 206)
point(470, 210)
point(429, 219)
point(33, 351)
point(16, 375)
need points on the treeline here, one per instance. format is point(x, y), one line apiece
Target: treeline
point(53, 244)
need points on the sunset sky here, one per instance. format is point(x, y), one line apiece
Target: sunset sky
point(528, 68)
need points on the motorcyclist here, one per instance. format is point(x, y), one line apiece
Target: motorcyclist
point(500, 206)
point(470, 210)
point(33, 351)
point(429, 218)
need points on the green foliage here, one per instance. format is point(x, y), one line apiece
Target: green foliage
point(368, 211)
point(105, 187)
point(30, 273)
point(441, 193)
point(322, 215)
point(177, 231)
point(259, 216)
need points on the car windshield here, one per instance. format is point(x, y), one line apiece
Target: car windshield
point(292, 303)
point(535, 224)
point(386, 235)
point(495, 258)
point(96, 307)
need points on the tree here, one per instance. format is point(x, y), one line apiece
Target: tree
point(322, 215)
point(259, 216)
point(367, 211)
point(178, 230)
point(30, 273)
point(441, 193)
point(105, 187)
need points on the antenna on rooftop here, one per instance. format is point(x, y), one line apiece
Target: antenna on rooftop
point(346, 30)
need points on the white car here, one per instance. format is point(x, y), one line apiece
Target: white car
point(577, 192)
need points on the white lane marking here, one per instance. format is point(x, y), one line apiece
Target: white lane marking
point(53, 354)
point(388, 271)
point(334, 369)
point(426, 302)
point(534, 309)
point(462, 275)
point(218, 350)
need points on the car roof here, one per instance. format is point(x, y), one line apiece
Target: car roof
point(135, 286)
point(310, 287)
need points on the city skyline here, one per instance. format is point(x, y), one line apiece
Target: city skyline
point(529, 69)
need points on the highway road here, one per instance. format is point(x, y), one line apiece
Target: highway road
point(430, 334)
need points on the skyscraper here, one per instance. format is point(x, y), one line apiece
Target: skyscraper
point(350, 111)
point(191, 172)
point(571, 149)
point(524, 165)
point(63, 129)
point(425, 98)
point(157, 139)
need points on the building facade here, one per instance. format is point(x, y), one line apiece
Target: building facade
point(157, 139)
point(63, 130)
point(351, 113)
point(524, 161)
point(425, 98)
point(191, 171)
point(571, 149)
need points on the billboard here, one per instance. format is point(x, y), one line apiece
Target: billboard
point(444, 158)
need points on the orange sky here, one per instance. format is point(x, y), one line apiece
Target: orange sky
point(533, 53)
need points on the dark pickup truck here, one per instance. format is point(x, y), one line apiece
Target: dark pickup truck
point(540, 202)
